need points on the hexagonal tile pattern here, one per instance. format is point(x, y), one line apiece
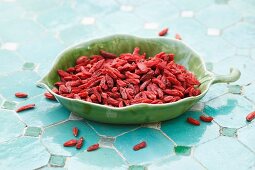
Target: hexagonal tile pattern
point(78, 33)
point(244, 64)
point(103, 157)
point(191, 5)
point(184, 27)
point(7, 10)
point(176, 162)
point(54, 137)
point(249, 91)
point(9, 57)
point(229, 110)
point(19, 30)
point(22, 81)
point(56, 160)
point(33, 131)
point(209, 48)
point(158, 145)
point(117, 22)
point(43, 53)
point(31, 5)
point(241, 35)
point(111, 130)
point(185, 134)
point(9, 120)
point(97, 8)
point(155, 16)
point(10, 105)
point(52, 20)
point(221, 152)
point(46, 112)
point(23, 153)
point(246, 8)
point(246, 136)
point(52, 168)
point(218, 16)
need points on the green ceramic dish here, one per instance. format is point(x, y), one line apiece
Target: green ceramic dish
point(138, 113)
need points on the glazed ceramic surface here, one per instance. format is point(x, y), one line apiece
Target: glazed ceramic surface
point(138, 113)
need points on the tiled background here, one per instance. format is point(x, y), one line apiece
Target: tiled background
point(33, 32)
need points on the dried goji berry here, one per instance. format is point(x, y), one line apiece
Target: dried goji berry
point(163, 32)
point(49, 96)
point(26, 107)
point(193, 121)
point(140, 146)
point(250, 116)
point(206, 118)
point(82, 59)
point(79, 143)
point(21, 95)
point(178, 36)
point(75, 131)
point(107, 54)
point(70, 143)
point(93, 147)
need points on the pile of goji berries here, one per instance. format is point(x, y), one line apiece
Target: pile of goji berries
point(127, 79)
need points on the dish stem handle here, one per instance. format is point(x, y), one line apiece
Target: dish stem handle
point(233, 76)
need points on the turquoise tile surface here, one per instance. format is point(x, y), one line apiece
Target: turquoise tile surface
point(10, 105)
point(53, 21)
point(77, 33)
point(241, 35)
point(96, 8)
point(118, 22)
point(190, 30)
point(176, 162)
point(56, 160)
point(209, 48)
point(6, 58)
point(21, 30)
point(53, 168)
point(154, 15)
point(244, 7)
point(103, 157)
point(43, 54)
point(136, 167)
point(158, 145)
point(218, 16)
point(249, 92)
point(191, 5)
point(221, 152)
point(21, 81)
point(185, 134)
point(37, 5)
point(246, 136)
point(54, 137)
point(33, 131)
point(46, 112)
point(23, 153)
point(230, 132)
point(34, 32)
point(11, 126)
point(229, 110)
point(7, 10)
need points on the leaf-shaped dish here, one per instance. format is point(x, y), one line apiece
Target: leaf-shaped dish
point(138, 113)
